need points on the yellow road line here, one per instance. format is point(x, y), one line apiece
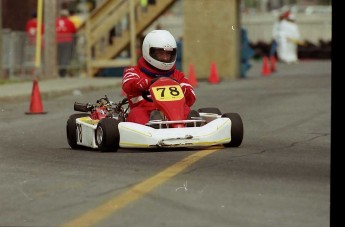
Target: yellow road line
point(137, 191)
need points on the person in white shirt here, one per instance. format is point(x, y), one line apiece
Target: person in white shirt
point(288, 39)
point(275, 33)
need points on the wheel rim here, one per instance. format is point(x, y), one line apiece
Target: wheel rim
point(99, 135)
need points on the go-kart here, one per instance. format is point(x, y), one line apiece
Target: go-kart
point(103, 125)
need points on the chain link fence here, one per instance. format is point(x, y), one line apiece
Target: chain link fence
point(19, 56)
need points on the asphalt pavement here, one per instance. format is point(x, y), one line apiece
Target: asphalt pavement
point(49, 88)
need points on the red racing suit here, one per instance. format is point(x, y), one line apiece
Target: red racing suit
point(31, 30)
point(65, 30)
point(140, 109)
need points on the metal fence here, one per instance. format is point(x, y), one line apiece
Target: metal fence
point(19, 56)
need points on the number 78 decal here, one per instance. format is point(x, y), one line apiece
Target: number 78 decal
point(168, 93)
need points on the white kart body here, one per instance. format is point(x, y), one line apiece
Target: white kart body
point(215, 130)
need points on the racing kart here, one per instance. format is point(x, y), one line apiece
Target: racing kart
point(103, 125)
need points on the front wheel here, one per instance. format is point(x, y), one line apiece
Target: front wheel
point(107, 135)
point(236, 129)
point(193, 114)
point(71, 130)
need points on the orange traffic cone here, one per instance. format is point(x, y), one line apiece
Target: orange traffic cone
point(36, 103)
point(273, 63)
point(191, 76)
point(213, 78)
point(266, 70)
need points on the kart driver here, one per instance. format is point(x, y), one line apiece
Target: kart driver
point(158, 60)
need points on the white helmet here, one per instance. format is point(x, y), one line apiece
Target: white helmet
point(163, 41)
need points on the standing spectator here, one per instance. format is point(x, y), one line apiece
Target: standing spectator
point(31, 28)
point(275, 33)
point(75, 18)
point(65, 31)
point(31, 32)
point(288, 40)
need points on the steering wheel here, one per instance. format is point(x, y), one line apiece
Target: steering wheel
point(145, 95)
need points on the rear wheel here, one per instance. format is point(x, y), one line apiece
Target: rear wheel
point(236, 129)
point(214, 110)
point(71, 130)
point(107, 135)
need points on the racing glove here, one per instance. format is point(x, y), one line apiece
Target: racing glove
point(143, 84)
point(189, 95)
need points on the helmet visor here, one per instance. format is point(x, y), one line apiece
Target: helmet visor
point(166, 55)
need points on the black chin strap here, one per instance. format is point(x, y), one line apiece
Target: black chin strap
point(156, 74)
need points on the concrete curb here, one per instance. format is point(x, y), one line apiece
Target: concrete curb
point(53, 88)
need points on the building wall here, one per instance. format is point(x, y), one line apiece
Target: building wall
point(15, 13)
point(211, 33)
point(312, 27)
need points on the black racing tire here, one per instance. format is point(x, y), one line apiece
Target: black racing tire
point(236, 129)
point(193, 114)
point(214, 110)
point(107, 135)
point(71, 130)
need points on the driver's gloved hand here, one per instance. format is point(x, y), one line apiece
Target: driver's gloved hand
point(188, 94)
point(143, 84)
